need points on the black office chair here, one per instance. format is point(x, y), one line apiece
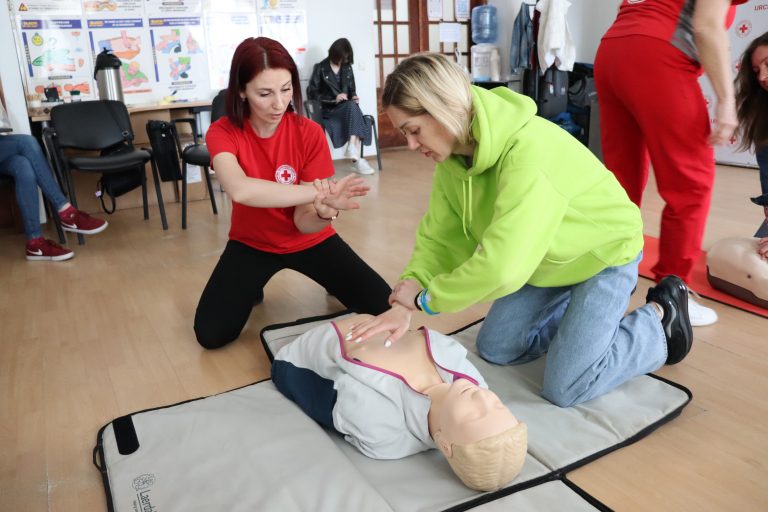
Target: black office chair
point(98, 126)
point(197, 154)
point(315, 112)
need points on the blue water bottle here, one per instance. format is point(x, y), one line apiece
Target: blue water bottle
point(484, 24)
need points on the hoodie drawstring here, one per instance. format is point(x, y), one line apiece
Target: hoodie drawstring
point(466, 207)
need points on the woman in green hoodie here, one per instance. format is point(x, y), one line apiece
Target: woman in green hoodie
point(524, 215)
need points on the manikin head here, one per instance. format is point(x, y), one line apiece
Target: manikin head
point(483, 442)
point(428, 98)
point(263, 82)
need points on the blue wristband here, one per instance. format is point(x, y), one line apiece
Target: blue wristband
point(423, 298)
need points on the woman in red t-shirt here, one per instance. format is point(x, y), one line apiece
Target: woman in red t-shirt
point(276, 167)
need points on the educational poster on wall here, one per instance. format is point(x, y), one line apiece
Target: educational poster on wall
point(118, 8)
point(56, 55)
point(161, 8)
point(750, 22)
point(290, 28)
point(52, 8)
point(181, 67)
point(128, 39)
point(225, 32)
point(282, 5)
point(235, 6)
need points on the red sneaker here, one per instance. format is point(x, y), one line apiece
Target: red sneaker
point(40, 249)
point(80, 222)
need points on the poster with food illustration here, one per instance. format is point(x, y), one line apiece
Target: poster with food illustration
point(127, 39)
point(120, 8)
point(181, 67)
point(160, 8)
point(57, 55)
point(55, 8)
point(225, 32)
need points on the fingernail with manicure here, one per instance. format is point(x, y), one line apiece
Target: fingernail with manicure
point(387, 343)
point(348, 336)
point(358, 340)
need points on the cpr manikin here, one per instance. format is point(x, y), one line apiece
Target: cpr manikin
point(394, 400)
point(735, 267)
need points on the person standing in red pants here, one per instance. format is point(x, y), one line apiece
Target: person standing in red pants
point(652, 111)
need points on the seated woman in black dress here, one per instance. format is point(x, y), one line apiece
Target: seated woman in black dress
point(333, 85)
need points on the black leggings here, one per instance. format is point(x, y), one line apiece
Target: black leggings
point(238, 281)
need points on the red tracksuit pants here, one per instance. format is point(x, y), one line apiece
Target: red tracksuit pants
point(652, 110)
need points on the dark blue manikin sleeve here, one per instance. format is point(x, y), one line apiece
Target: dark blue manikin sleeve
point(313, 393)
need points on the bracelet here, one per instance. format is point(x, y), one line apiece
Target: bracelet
point(421, 302)
point(331, 218)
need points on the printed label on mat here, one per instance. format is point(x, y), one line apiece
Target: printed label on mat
point(143, 486)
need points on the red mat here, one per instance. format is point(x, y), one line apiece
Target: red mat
point(699, 281)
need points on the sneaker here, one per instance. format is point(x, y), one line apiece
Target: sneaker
point(350, 152)
point(40, 249)
point(361, 167)
point(672, 295)
point(700, 315)
point(80, 222)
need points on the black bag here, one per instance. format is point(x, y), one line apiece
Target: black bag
point(115, 184)
point(162, 138)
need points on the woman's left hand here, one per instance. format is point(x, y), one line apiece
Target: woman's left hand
point(395, 321)
point(356, 99)
point(405, 293)
point(339, 194)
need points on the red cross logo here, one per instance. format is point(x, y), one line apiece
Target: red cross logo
point(285, 174)
point(732, 140)
point(744, 28)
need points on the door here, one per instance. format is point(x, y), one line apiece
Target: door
point(402, 27)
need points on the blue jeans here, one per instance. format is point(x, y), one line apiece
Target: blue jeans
point(591, 346)
point(22, 157)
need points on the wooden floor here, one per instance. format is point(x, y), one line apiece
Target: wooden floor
point(110, 332)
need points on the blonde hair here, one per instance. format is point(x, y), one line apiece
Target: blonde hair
point(429, 83)
point(490, 463)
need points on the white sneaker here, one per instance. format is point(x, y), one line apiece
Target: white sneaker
point(350, 151)
point(361, 167)
point(699, 315)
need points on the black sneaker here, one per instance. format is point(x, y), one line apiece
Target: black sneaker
point(672, 295)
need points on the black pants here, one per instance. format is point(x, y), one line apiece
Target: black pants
point(239, 278)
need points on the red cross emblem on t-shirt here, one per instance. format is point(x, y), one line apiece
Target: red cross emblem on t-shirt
point(285, 174)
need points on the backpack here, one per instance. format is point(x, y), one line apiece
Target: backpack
point(115, 184)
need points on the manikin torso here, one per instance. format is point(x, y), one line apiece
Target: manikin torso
point(408, 357)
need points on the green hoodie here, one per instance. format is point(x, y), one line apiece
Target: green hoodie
point(536, 207)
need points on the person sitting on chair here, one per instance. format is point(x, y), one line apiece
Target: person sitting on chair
point(333, 84)
point(22, 158)
point(391, 401)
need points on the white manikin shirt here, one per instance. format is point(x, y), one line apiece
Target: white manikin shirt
point(374, 409)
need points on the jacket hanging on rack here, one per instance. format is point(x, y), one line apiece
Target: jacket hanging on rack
point(520, 51)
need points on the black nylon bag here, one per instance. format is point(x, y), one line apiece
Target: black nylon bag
point(115, 184)
point(162, 138)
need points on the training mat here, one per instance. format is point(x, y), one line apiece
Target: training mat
point(253, 449)
point(699, 282)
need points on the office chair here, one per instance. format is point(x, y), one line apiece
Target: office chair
point(197, 154)
point(98, 126)
point(314, 111)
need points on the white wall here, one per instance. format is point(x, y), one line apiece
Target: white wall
point(13, 87)
point(331, 19)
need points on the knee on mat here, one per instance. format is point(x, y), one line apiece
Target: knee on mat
point(561, 397)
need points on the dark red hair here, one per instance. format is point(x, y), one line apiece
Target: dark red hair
point(251, 57)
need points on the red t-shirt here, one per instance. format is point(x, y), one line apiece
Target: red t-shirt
point(296, 152)
point(668, 20)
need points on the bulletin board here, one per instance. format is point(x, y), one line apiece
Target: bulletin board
point(180, 48)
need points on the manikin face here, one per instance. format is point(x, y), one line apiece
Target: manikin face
point(471, 413)
point(424, 134)
point(760, 65)
point(268, 94)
